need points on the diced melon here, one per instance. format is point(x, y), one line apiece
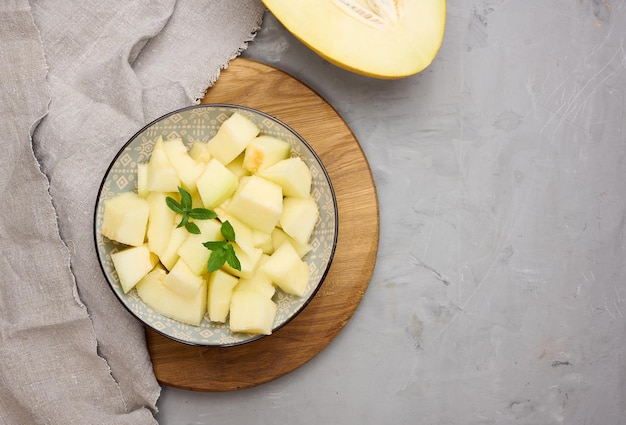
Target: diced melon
point(279, 237)
point(160, 222)
point(249, 261)
point(160, 298)
point(169, 255)
point(192, 250)
point(263, 240)
point(221, 209)
point(261, 285)
point(232, 137)
point(216, 184)
point(259, 281)
point(287, 270)
point(210, 229)
point(257, 202)
point(221, 285)
point(292, 174)
point(132, 264)
point(299, 217)
point(264, 151)
point(187, 168)
point(379, 38)
point(162, 176)
point(252, 312)
point(200, 152)
point(236, 166)
point(182, 280)
point(244, 235)
point(125, 218)
point(142, 179)
point(196, 199)
point(194, 254)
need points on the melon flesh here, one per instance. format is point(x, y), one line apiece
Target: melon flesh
point(125, 218)
point(132, 264)
point(252, 312)
point(221, 285)
point(160, 222)
point(285, 268)
point(169, 303)
point(379, 38)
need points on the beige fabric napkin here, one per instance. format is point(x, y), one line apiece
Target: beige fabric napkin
point(77, 79)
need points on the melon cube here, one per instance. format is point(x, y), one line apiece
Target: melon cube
point(257, 202)
point(287, 270)
point(171, 304)
point(125, 218)
point(196, 199)
point(187, 168)
point(182, 280)
point(292, 174)
point(244, 235)
point(264, 151)
point(259, 281)
point(200, 152)
point(232, 138)
point(249, 261)
point(194, 254)
point(279, 237)
point(132, 264)
point(216, 184)
point(263, 240)
point(142, 179)
point(252, 312)
point(160, 222)
point(210, 229)
point(221, 285)
point(169, 255)
point(262, 285)
point(236, 166)
point(162, 176)
point(299, 217)
point(192, 250)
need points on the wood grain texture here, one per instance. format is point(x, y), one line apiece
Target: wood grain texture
point(249, 83)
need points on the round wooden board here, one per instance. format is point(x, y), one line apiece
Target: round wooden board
point(250, 83)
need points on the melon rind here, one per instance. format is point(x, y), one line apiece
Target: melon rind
point(391, 51)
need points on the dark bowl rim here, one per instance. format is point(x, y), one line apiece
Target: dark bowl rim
point(232, 106)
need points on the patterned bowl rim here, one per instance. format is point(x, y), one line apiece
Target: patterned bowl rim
point(304, 143)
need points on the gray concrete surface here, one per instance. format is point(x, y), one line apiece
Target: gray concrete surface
point(498, 294)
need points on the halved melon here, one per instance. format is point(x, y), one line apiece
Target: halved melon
point(386, 39)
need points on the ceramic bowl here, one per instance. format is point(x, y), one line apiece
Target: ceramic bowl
point(200, 123)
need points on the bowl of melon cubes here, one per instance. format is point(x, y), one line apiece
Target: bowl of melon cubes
point(216, 225)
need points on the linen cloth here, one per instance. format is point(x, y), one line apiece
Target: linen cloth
point(77, 79)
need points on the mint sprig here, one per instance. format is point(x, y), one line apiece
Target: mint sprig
point(222, 251)
point(185, 208)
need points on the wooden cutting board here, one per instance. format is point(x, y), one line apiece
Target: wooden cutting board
point(250, 83)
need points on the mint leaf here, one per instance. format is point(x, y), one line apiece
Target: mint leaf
point(185, 209)
point(202, 214)
point(183, 221)
point(231, 257)
point(214, 245)
point(174, 205)
point(216, 260)
point(227, 231)
point(185, 199)
point(223, 251)
point(192, 228)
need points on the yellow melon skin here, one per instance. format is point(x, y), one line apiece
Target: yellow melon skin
point(374, 46)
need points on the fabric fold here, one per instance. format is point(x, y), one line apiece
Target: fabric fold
point(39, 371)
point(97, 71)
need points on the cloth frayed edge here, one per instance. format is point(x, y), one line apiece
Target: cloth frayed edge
point(200, 93)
